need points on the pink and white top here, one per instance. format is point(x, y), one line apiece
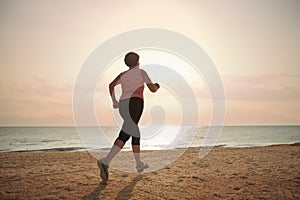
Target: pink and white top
point(132, 83)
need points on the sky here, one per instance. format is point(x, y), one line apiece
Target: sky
point(254, 45)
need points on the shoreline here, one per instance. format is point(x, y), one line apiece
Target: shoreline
point(225, 173)
point(83, 149)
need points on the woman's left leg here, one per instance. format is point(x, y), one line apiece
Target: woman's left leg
point(136, 106)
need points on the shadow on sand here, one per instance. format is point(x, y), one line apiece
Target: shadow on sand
point(95, 194)
point(125, 193)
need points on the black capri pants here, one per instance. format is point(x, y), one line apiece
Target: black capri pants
point(130, 110)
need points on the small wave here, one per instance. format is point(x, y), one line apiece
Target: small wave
point(51, 141)
point(59, 149)
point(295, 144)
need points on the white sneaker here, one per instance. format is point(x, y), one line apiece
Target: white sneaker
point(140, 167)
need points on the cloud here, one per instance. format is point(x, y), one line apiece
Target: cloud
point(29, 120)
point(31, 101)
point(36, 88)
point(276, 87)
point(253, 116)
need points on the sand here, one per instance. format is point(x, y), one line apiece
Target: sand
point(271, 172)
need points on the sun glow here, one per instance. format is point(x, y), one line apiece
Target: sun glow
point(166, 99)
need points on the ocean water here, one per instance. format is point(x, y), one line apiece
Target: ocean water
point(68, 139)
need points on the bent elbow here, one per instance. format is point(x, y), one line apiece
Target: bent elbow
point(154, 89)
point(111, 87)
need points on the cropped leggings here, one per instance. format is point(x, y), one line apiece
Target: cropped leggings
point(130, 110)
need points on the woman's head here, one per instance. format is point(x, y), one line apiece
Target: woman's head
point(131, 59)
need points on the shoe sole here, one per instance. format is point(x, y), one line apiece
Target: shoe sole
point(142, 169)
point(103, 173)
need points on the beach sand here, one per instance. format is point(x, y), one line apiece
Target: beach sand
point(271, 172)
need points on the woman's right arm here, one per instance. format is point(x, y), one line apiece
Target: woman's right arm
point(153, 87)
point(112, 92)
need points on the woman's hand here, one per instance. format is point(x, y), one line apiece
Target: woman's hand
point(116, 105)
point(157, 85)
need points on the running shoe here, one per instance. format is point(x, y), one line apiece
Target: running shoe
point(140, 167)
point(102, 164)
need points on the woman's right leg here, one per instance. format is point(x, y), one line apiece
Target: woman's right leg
point(104, 162)
point(118, 145)
point(123, 136)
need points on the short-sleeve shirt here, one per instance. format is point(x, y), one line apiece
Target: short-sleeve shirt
point(132, 83)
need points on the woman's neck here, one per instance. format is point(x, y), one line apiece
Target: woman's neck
point(134, 67)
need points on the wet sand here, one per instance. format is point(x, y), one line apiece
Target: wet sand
point(271, 172)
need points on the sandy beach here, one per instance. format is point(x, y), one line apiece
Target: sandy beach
point(270, 172)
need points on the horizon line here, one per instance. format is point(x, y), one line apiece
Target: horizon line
point(58, 126)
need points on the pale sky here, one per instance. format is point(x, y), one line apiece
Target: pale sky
point(254, 45)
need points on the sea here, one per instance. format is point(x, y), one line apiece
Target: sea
point(43, 139)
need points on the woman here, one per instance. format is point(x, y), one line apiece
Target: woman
point(130, 106)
